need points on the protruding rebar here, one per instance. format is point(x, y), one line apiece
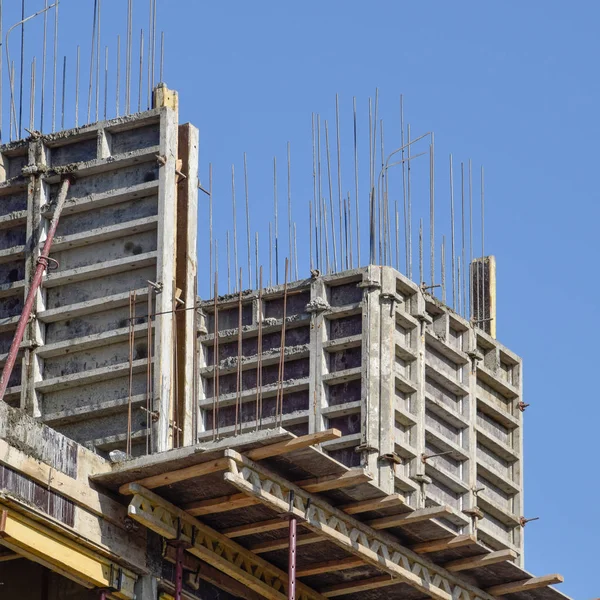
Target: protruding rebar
point(421, 282)
point(105, 82)
point(128, 58)
point(54, 74)
point(228, 256)
point(452, 229)
point(248, 221)
point(98, 60)
point(234, 215)
point(276, 220)
point(162, 55)
point(77, 69)
point(339, 177)
point(289, 190)
point(356, 187)
point(333, 240)
point(482, 314)
point(141, 81)
point(210, 223)
point(432, 215)
point(443, 259)
point(92, 55)
point(22, 69)
point(118, 82)
point(64, 91)
point(44, 55)
point(32, 97)
point(409, 203)
point(471, 304)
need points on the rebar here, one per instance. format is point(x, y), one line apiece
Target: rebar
point(64, 90)
point(247, 221)
point(276, 220)
point(77, 68)
point(234, 215)
point(22, 69)
point(356, 187)
point(32, 97)
point(339, 171)
point(452, 229)
point(333, 241)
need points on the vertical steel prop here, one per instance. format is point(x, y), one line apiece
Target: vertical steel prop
point(179, 571)
point(292, 551)
point(43, 262)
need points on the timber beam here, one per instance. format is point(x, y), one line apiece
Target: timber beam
point(362, 585)
point(397, 562)
point(525, 585)
point(329, 566)
point(219, 505)
point(210, 546)
point(363, 506)
point(475, 562)
point(444, 544)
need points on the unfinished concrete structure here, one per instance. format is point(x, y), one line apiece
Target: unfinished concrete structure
point(426, 403)
point(354, 406)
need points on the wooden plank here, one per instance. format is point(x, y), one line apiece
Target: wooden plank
point(525, 585)
point(253, 528)
point(331, 566)
point(170, 477)
point(294, 444)
point(356, 508)
point(8, 556)
point(352, 587)
point(282, 543)
point(334, 482)
point(474, 562)
point(219, 505)
point(423, 514)
point(444, 544)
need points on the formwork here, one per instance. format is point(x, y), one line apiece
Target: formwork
point(125, 248)
point(428, 404)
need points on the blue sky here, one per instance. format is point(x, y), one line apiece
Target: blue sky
point(511, 85)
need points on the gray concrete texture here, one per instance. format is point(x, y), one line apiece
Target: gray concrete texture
point(130, 218)
point(427, 403)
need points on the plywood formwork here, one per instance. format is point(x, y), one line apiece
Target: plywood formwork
point(130, 219)
point(427, 404)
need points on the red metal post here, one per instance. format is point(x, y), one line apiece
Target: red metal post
point(35, 284)
point(179, 571)
point(292, 560)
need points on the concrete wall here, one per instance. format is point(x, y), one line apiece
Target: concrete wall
point(401, 375)
point(119, 230)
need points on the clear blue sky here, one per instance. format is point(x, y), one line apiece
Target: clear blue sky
point(511, 85)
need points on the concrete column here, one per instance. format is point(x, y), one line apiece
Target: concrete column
point(318, 334)
point(146, 588)
point(387, 383)
point(371, 348)
point(163, 401)
point(417, 470)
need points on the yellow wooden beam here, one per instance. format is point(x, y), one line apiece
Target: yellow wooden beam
point(417, 516)
point(356, 508)
point(45, 546)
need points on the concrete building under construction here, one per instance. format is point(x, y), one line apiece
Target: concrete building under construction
point(346, 434)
